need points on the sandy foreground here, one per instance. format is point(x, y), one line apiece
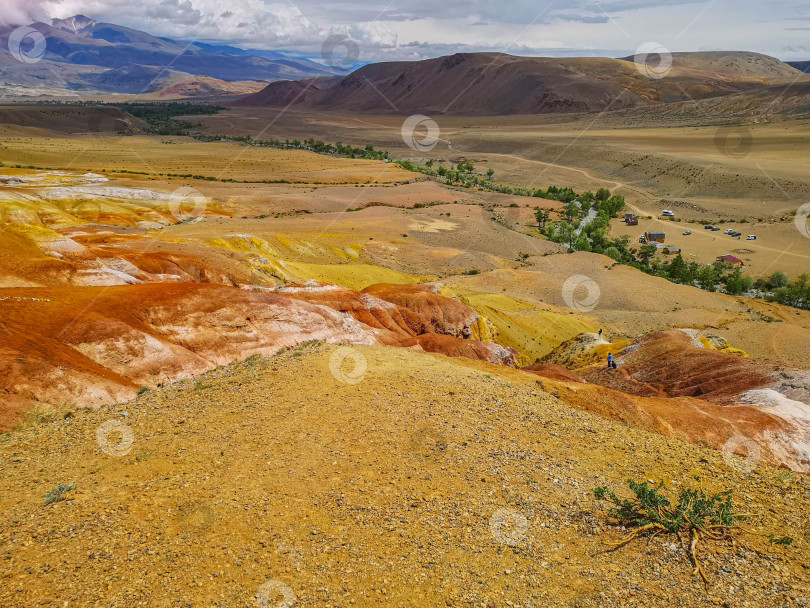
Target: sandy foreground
point(424, 481)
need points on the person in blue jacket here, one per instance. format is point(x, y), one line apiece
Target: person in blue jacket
point(610, 360)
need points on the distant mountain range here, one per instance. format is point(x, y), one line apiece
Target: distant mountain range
point(84, 55)
point(804, 66)
point(497, 84)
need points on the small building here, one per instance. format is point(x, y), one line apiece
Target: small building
point(730, 260)
point(655, 237)
point(630, 219)
point(671, 249)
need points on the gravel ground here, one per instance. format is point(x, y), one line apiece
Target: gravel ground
point(410, 480)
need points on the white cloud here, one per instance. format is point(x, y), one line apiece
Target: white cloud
point(421, 28)
point(22, 12)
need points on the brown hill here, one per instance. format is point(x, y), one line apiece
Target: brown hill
point(494, 84)
point(670, 364)
point(70, 119)
point(284, 93)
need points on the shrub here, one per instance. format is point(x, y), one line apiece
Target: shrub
point(58, 493)
point(695, 514)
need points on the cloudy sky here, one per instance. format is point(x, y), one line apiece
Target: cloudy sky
point(414, 29)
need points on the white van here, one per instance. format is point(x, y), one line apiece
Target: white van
point(667, 213)
point(752, 237)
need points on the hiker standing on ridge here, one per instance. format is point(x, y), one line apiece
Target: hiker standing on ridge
point(610, 360)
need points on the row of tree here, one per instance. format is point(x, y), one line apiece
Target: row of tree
point(577, 227)
point(580, 236)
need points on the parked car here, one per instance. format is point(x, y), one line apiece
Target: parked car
point(715, 229)
point(728, 230)
point(687, 233)
point(668, 213)
point(752, 237)
point(708, 227)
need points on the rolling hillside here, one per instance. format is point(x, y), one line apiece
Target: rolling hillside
point(492, 84)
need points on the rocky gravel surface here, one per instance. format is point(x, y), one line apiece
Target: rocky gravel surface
point(371, 476)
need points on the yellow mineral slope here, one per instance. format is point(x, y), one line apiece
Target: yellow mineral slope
point(420, 481)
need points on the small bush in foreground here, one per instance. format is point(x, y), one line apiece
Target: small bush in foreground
point(699, 516)
point(58, 493)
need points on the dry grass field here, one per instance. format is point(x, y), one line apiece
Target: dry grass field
point(759, 172)
point(156, 156)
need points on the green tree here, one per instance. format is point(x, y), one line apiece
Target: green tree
point(429, 163)
point(602, 194)
point(582, 243)
point(707, 278)
point(614, 253)
point(490, 173)
point(779, 279)
point(542, 216)
point(647, 252)
point(734, 282)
